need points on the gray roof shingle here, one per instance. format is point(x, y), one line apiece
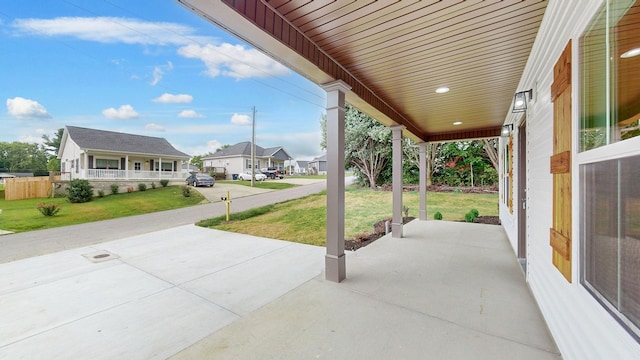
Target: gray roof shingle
point(126, 143)
point(244, 149)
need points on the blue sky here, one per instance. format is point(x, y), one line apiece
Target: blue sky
point(146, 67)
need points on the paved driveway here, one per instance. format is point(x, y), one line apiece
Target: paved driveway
point(236, 191)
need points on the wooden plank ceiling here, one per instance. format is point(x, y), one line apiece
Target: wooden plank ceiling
point(395, 54)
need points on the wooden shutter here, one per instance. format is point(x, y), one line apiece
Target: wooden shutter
point(90, 162)
point(560, 164)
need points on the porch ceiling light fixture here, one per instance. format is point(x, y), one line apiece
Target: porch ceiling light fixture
point(520, 101)
point(442, 90)
point(631, 53)
point(506, 130)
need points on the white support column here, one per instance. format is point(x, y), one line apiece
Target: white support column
point(396, 222)
point(335, 266)
point(159, 168)
point(86, 167)
point(126, 167)
point(423, 180)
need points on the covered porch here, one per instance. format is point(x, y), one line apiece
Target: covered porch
point(447, 290)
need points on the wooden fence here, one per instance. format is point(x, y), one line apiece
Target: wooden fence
point(27, 188)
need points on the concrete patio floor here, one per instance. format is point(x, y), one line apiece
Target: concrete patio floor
point(445, 291)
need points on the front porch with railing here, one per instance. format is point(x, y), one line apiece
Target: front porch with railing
point(105, 174)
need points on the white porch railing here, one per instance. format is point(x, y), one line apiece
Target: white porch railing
point(101, 174)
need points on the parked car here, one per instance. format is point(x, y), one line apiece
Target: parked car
point(200, 180)
point(272, 173)
point(247, 176)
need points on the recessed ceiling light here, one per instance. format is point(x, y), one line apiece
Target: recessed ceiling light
point(442, 90)
point(628, 54)
point(457, 123)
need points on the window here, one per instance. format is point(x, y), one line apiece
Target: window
point(611, 235)
point(609, 171)
point(166, 166)
point(610, 88)
point(107, 164)
point(137, 166)
point(248, 164)
point(507, 174)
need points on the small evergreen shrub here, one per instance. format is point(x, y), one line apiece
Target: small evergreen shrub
point(142, 187)
point(153, 185)
point(101, 193)
point(114, 189)
point(437, 216)
point(48, 209)
point(186, 191)
point(475, 212)
point(80, 191)
point(469, 217)
point(164, 182)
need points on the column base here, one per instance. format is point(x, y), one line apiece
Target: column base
point(422, 215)
point(335, 268)
point(396, 230)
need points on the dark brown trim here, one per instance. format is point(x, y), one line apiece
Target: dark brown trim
point(462, 135)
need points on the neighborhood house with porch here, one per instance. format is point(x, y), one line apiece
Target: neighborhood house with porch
point(236, 159)
point(99, 155)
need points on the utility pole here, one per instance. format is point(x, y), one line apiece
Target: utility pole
point(253, 148)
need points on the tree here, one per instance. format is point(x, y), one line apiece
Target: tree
point(22, 157)
point(52, 145)
point(411, 153)
point(491, 149)
point(367, 145)
point(196, 161)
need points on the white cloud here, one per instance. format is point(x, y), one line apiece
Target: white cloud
point(213, 145)
point(233, 61)
point(158, 72)
point(240, 119)
point(154, 127)
point(30, 139)
point(110, 30)
point(22, 108)
point(167, 98)
point(124, 112)
point(190, 114)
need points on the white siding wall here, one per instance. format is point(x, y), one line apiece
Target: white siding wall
point(581, 327)
point(69, 154)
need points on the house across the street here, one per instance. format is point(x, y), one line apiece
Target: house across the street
point(318, 166)
point(236, 159)
point(108, 155)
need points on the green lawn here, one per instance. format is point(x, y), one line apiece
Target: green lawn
point(274, 185)
point(304, 220)
point(22, 215)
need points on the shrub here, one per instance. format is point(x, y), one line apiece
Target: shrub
point(405, 210)
point(142, 187)
point(437, 216)
point(80, 191)
point(186, 191)
point(153, 185)
point(114, 189)
point(475, 212)
point(469, 217)
point(101, 193)
point(48, 209)
point(164, 182)
point(130, 189)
